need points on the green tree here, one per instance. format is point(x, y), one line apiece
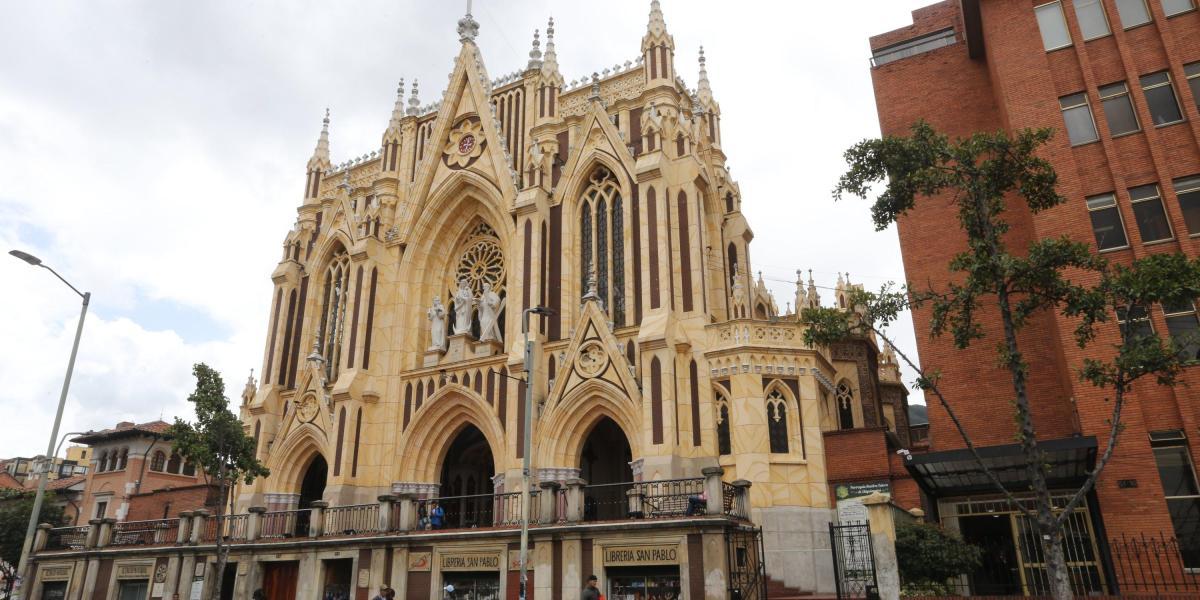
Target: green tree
point(928, 555)
point(980, 175)
point(15, 506)
point(218, 444)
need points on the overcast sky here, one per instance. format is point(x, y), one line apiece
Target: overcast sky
point(153, 153)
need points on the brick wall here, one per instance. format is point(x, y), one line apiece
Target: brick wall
point(1016, 84)
point(857, 455)
point(168, 503)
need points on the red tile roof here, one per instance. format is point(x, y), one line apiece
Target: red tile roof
point(8, 482)
point(65, 482)
point(124, 429)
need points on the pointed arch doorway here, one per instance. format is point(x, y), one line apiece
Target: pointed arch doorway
point(312, 489)
point(604, 465)
point(466, 480)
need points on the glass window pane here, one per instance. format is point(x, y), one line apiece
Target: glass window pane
point(1119, 113)
point(1092, 21)
point(1155, 79)
point(1185, 516)
point(1133, 12)
point(1174, 7)
point(1189, 203)
point(1192, 70)
point(1185, 330)
point(1081, 129)
point(1053, 26)
point(1163, 107)
point(1143, 192)
point(1194, 83)
point(1151, 220)
point(1175, 471)
point(1106, 225)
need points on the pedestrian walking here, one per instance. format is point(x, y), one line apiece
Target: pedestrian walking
point(591, 592)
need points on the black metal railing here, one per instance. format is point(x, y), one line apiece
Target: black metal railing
point(1158, 564)
point(853, 560)
point(230, 528)
point(67, 538)
point(734, 503)
point(351, 520)
point(145, 533)
point(473, 511)
point(285, 523)
point(643, 499)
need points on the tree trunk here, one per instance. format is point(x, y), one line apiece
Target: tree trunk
point(1058, 575)
point(222, 548)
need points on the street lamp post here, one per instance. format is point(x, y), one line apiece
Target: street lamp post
point(62, 401)
point(527, 447)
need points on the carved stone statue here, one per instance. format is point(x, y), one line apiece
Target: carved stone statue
point(437, 324)
point(464, 303)
point(489, 315)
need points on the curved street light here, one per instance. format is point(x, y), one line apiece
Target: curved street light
point(51, 450)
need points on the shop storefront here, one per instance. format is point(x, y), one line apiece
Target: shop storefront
point(55, 579)
point(643, 572)
point(133, 581)
point(338, 573)
point(470, 575)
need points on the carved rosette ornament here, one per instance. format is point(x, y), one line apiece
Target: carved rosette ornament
point(592, 360)
point(464, 145)
point(306, 409)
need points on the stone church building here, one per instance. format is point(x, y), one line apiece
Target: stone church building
point(680, 430)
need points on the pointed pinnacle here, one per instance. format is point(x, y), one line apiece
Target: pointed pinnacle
point(535, 54)
point(413, 101)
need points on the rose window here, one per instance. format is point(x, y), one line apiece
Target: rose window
point(482, 262)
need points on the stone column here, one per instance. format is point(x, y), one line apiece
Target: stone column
point(883, 542)
point(385, 512)
point(741, 497)
point(316, 519)
point(575, 499)
point(254, 522)
point(198, 519)
point(106, 532)
point(637, 499)
point(408, 513)
point(185, 528)
point(93, 534)
point(714, 489)
point(40, 537)
point(574, 571)
point(548, 498)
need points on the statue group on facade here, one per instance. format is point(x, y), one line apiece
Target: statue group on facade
point(488, 303)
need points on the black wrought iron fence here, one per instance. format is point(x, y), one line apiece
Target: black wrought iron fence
point(351, 520)
point(145, 533)
point(67, 538)
point(643, 499)
point(1150, 565)
point(747, 569)
point(853, 560)
point(285, 523)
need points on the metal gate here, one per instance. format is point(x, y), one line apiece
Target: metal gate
point(747, 569)
point(853, 560)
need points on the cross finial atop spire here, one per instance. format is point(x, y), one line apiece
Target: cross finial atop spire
point(535, 53)
point(468, 27)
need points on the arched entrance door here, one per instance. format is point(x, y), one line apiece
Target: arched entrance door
point(312, 488)
point(604, 465)
point(467, 473)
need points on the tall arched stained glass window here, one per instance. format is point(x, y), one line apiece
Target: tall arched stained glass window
point(777, 429)
point(602, 242)
point(618, 262)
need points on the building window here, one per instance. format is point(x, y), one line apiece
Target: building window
point(100, 462)
point(333, 314)
point(1139, 322)
point(1092, 21)
point(1148, 212)
point(1184, 328)
point(1118, 109)
point(602, 242)
point(174, 463)
point(845, 406)
point(1077, 114)
point(1106, 222)
point(1160, 96)
point(1187, 189)
point(895, 52)
point(1053, 25)
point(1178, 479)
point(101, 509)
point(122, 459)
point(159, 462)
point(1133, 13)
point(723, 442)
point(777, 429)
point(189, 469)
point(1193, 76)
point(1175, 7)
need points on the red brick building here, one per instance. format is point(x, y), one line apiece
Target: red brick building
point(137, 475)
point(1120, 82)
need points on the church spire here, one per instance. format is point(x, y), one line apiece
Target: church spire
point(320, 157)
point(657, 25)
point(414, 104)
point(468, 27)
point(398, 109)
point(550, 58)
point(658, 48)
point(704, 88)
point(535, 53)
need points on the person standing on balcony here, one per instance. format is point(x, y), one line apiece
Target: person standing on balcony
point(437, 516)
point(697, 505)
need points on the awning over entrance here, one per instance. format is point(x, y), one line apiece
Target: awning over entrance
point(956, 472)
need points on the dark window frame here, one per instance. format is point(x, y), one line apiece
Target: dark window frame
point(1094, 207)
point(1111, 97)
point(1139, 196)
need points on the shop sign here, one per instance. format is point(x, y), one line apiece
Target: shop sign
point(420, 561)
point(55, 574)
point(471, 561)
point(134, 571)
point(641, 555)
point(849, 499)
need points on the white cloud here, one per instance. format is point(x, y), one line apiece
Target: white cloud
point(154, 153)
